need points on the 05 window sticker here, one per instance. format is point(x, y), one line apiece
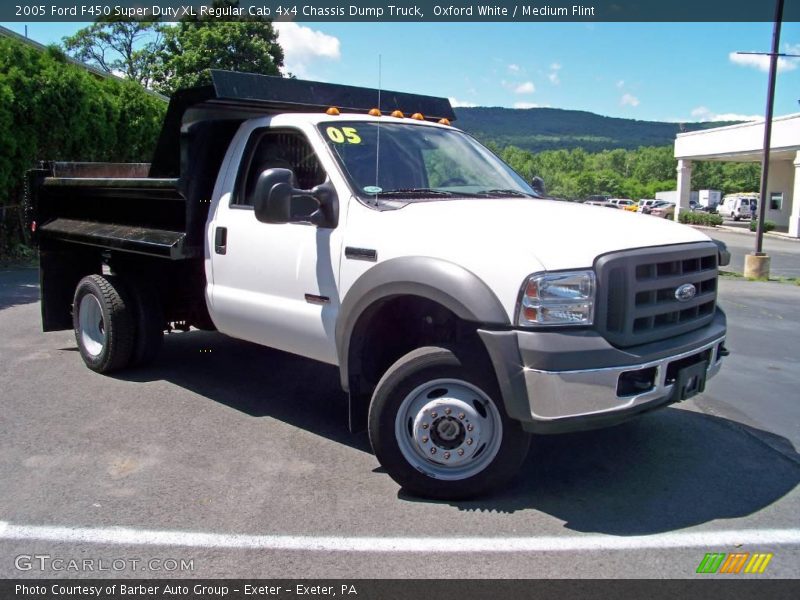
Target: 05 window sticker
point(347, 135)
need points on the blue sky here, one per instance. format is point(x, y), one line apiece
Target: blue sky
point(653, 71)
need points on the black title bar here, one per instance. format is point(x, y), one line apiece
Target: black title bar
point(543, 11)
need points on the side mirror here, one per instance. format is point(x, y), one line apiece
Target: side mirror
point(277, 200)
point(273, 196)
point(328, 213)
point(537, 183)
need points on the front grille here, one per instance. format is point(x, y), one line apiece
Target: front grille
point(636, 292)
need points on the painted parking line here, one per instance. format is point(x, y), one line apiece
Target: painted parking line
point(445, 545)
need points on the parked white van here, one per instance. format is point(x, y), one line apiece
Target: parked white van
point(735, 206)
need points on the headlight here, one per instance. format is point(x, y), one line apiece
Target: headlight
point(565, 298)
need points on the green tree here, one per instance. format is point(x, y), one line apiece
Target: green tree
point(54, 110)
point(195, 45)
point(741, 177)
point(125, 48)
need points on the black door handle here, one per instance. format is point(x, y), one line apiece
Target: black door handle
point(221, 240)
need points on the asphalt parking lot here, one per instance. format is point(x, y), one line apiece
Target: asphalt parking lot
point(784, 253)
point(238, 459)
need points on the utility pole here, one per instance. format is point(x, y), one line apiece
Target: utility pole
point(757, 265)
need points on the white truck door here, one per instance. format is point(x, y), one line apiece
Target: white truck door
point(274, 284)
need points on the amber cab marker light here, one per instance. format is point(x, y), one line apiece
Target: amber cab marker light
point(444, 121)
point(418, 117)
point(332, 111)
point(398, 113)
point(374, 112)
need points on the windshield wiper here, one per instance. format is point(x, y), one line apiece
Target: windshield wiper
point(508, 192)
point(421, 192)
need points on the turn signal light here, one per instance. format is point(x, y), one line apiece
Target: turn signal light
point(399, 114)
point(444, 121)
point(332, 111)
point(418, 117)
point(375, 112)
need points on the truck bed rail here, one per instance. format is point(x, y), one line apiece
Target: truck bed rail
point(115, 206)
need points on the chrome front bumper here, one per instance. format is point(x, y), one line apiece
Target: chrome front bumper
point(583, 393)
point(558, 381)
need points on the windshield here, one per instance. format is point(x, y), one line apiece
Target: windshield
point(401, 160)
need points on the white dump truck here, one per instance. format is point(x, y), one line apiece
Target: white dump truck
point(359, 228)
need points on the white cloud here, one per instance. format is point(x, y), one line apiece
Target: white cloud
point(621, 83)
point(525, 88)
point(303, 45)
point(513, 68)
point(761, 62)
point(456, 103)
point(629, 100)
point(526, 105)
point(701, 113)
point(553, 75)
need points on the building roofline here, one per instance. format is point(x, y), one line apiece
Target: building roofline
point(757, 123)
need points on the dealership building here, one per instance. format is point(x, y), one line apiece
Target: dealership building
point(744, 143)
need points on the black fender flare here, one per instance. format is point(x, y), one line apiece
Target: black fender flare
point(451, 285)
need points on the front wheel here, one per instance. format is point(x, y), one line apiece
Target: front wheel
point(440, 429)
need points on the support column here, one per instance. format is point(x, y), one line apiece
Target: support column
point(794, 218)
point(684, 186)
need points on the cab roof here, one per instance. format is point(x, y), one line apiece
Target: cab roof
point(236, 96)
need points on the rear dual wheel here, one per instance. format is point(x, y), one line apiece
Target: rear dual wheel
point(116, 326)
point(440, 429)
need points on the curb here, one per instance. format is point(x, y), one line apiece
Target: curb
point(727, 228)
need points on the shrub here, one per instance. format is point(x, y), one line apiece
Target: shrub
point(54, 110)
point(700, 218)
point(768, 225)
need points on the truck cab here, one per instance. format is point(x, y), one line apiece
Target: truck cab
point(463, 309)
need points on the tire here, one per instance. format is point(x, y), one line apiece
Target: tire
point(149, 321)
point(473, 446)
point(735, 218)
point(103, 320)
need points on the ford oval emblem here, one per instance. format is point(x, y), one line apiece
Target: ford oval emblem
point(685, 292)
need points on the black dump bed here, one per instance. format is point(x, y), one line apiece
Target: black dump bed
point(115, 206)
point(160, 209)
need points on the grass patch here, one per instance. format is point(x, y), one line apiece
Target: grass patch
point(777, 279)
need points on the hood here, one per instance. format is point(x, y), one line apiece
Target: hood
point(558, 235)
point(503, 241)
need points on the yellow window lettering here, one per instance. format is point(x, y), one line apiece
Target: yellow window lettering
point(336, 136)
point(339, 136)
point(352, 135)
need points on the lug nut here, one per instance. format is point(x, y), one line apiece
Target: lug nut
point(433, 450)
point(424, 425)
point(469, 427)
point(447, 411)
point(469, 441)
point(425, 439)
point(461, 452)
point(434, 415)
point(446, 455)
point(461, 416)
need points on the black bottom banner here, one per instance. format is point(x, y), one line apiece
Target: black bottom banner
point(390, 589)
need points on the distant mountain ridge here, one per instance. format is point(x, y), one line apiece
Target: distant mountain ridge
point(538, 129)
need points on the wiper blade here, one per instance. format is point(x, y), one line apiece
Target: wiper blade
point(413, 191)
point(509, 192)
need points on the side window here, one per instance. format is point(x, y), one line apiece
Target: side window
point(270, 149)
